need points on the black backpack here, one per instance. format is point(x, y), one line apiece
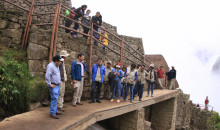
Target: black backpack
point(110, 75)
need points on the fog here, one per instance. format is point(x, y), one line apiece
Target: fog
point(186, 33)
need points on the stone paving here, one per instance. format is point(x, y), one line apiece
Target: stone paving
point(39, 119)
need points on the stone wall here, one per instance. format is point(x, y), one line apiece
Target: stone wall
point(130, 121)
point(164, 115)
point(189, 116)
point(12, 25)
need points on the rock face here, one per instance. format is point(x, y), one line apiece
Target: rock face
point(216, 67)
point(189, 116)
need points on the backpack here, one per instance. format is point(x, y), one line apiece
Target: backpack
point(110, 75)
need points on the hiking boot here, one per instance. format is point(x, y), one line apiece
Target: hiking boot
point(79, 103)
point(91, 102)
point(98, 101)
point(58, 113)
point(152, 95)
point(61, 109)
point(140, 99)
point(112, 100)
point(118, 101)
point(54, 116)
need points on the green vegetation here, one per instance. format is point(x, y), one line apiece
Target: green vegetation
point(214, 122)
point(17, 87)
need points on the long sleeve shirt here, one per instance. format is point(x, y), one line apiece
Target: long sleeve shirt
point(52, 74)
point(118, 77)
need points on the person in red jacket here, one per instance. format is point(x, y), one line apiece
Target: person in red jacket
point(206, 103)
point(161, 77)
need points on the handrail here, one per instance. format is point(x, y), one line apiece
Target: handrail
point(142, 58)
point(74, 30)
point(16, 5)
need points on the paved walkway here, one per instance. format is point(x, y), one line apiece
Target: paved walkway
point(39, 119)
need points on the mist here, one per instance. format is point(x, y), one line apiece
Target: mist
point(186, 33)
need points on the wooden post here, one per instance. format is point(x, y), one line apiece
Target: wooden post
point(122, 53)
point(52, 35)
point(90, 53)
point(56, 31)
point(27, 26)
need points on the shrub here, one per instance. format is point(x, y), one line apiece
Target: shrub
point(17, 87)
point(214, 122)
point(38, 90)
point(14, 86)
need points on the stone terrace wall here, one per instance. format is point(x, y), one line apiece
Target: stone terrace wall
point(189, 116)
point(12, 25)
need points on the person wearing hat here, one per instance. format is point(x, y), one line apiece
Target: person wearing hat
point(106, 90)
point(171, 78)
point(117, 82)
point(53, 81)
point(63, 76)
point(151, 79)
point(141, 79)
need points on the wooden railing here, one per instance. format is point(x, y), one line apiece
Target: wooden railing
point(55, 26)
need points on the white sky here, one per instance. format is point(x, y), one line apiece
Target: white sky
point(185, 32)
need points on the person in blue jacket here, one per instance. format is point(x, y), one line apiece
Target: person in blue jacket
point(98, 73)
point(78, 68)
point(117, 82)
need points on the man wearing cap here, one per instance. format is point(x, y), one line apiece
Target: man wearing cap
point(117, 82)
point(172, 78)
point(98, 73)
point(53, 81)
point(161, 77)
point(63, 76)
point(78, 68)
point(106, 90)
point(151, 79)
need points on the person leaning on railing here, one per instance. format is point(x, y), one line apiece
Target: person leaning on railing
point(104, 40)
point(97, 20)
point(68, 22)
point(79, 13)
point(86, 21)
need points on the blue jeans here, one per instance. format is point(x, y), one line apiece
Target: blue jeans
point(131, 86)
point(99, 85)
point(117, 85)
point(54, 94)
point(76, 26)
point(139, 88)
point(150, 86)
point(96, 35)
point(123, 85)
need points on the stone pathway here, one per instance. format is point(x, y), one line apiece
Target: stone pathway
point(39, 119)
